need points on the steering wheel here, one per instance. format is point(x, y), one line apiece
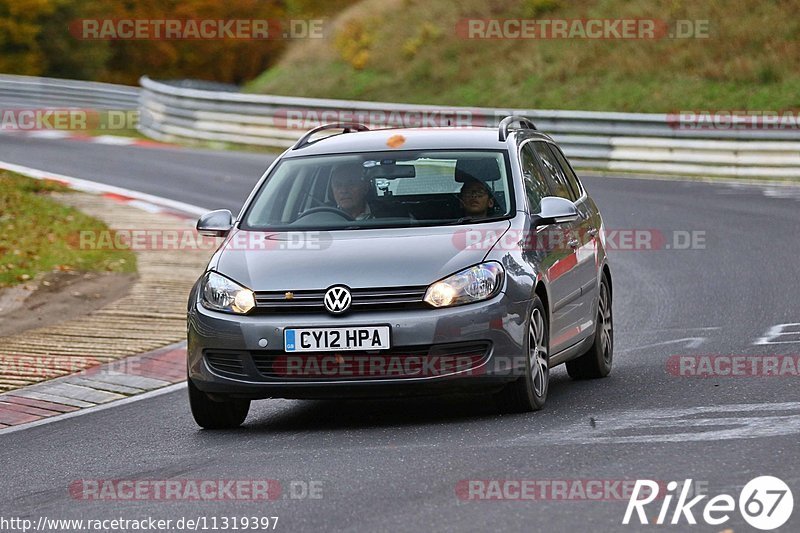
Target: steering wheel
point(325, 209)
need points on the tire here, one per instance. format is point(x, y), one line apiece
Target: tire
point(596, 362)
point(529, 392)
point(210, 414)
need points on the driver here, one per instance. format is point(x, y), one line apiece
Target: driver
point(350, 190)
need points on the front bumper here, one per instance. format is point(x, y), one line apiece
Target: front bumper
point(478, 345)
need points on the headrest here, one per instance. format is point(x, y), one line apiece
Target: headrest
point(483, 169)
point(348, 169)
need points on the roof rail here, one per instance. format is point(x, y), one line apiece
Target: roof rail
point(525, 123)
point(348, 127)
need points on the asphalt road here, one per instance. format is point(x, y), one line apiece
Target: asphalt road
point(396, 465)
point(212, 179)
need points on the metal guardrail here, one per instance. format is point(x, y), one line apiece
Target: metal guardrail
point(36, 92)
point(638, 142)
point(635, 142)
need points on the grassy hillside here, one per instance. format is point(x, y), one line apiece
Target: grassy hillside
point(409, 51)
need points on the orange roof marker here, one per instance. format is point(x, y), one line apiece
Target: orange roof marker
point(395, 141)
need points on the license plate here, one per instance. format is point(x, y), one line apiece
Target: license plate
point(336, 339)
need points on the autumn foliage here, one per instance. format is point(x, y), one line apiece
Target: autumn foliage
point(35, 39)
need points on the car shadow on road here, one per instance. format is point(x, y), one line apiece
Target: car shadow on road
point(289, 416)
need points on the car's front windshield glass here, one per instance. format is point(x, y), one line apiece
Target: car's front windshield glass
point(377, 189)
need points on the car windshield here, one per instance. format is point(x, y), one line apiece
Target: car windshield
point(392, 189)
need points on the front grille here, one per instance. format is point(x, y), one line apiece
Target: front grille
point(370, 299)
point(226, 362)
point(400, 362)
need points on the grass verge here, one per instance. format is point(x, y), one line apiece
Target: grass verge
point(38, 234)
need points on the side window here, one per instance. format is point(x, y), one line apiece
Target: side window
point(558, 182)
point(535, 184)
point(572, 179)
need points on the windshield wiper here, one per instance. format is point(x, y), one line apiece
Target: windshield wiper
point(464, 220)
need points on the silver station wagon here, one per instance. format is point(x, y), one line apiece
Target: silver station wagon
point(402, 261)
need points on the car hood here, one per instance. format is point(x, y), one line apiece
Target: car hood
point(356, 258)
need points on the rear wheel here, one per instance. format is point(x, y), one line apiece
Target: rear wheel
point(529, 392)
point(596, 362)
point(212, 414)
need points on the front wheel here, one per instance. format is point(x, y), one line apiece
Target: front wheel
point(529, 392)
point(596, 362)
point(210, 414)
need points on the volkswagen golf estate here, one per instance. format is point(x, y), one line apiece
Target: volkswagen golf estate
point(402, 261)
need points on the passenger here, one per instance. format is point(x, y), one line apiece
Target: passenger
point(476, 198)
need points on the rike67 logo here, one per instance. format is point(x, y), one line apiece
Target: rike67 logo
point(766, 503)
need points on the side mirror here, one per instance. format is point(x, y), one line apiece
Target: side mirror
point(555, 210)
point(216, 223)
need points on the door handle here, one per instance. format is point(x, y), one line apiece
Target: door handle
point(573, 243)
point(592, 232)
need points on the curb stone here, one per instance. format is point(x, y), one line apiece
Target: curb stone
point(131, 346)
point(94, 386)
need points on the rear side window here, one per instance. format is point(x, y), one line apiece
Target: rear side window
point(552, 170)
point(536, 186)
point(572, 179)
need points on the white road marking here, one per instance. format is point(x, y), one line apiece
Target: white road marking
point(790, 330)
point(47, 134)
point(703, 423)
point(114, 139)
point(145, 206)
point(690, 342)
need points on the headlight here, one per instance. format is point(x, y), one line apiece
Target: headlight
point(221, 294)
point(471, 285)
